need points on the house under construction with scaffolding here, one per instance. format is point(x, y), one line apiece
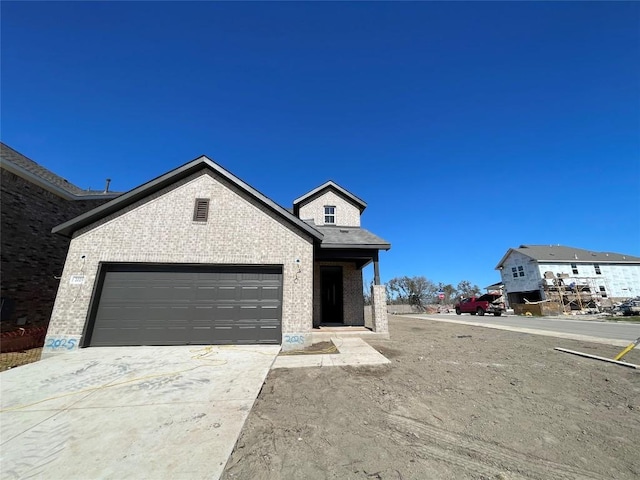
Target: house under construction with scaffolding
point(564, 279)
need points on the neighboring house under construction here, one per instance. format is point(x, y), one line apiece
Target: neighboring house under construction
point(568, 278)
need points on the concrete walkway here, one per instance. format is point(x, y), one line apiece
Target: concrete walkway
point(353, 351)
point(129, 412)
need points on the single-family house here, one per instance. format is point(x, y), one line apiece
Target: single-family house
point(34, 200)
point(573, 277)
point(197, 256)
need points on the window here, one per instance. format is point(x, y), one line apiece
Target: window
point(603, 292)
point(514, 271)
point(521, 271)
point(201, 210)
point(330, 214)
point(597, 267)
point(574, 268)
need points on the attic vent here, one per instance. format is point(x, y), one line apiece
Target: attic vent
point(344, 230)
point(201, 210)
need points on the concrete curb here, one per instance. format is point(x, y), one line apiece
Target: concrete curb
point(533, 331)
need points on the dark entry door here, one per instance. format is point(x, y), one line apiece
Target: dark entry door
point(331, 291)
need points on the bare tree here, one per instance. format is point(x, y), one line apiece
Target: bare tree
point(466, 290)
point(366, 293)
point(449, 292)
point(414, 290)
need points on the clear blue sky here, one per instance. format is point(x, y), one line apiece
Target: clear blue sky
point(468, 128)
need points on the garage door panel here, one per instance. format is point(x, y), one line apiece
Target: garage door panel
point(174, 305)
point(270, 316)
point(249, 291)
point(203, 313)
point(270, 293)
point(226, 293)
point(205, 293)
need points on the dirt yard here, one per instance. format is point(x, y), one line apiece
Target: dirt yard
point(17, 359)
point(457, 402)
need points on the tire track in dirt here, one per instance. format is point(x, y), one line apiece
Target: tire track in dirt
point(477, 457)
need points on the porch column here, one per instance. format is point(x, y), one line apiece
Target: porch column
point(376, 269)
point(380, 323)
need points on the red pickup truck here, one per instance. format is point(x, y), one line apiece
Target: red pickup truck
point(487, 303)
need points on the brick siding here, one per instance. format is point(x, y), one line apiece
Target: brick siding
point(31, 255)
point(380, 321)
point(160, 229)
point(347, 215)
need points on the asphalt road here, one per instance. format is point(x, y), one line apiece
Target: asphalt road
point(617, 332)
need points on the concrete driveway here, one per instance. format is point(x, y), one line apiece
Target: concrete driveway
point(129, 412)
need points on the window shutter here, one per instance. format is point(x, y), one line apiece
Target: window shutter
point(201, 210)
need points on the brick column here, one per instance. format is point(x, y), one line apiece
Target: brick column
point(379, 309)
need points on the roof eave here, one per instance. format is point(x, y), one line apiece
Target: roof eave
point(580, 262)
point(49, 186)
point(363, 246)
point(565, 260)
point(503, 259)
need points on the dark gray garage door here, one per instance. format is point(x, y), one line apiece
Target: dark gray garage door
point(181, 305)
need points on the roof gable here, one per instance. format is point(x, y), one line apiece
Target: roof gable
point(560, 253)
point(169, 178)
point(328, 186)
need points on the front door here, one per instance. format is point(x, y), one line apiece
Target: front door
point(331, 291)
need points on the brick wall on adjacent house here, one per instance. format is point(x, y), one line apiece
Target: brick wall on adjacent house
point(31, 255)
point(161, 229)
point(347, 215)
point(353, 297)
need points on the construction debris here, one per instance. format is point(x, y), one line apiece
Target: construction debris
point(616, 359)
point(575, 293)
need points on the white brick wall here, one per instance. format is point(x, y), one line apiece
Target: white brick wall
point(160, 229)
point(380, 320)
point(347, 215)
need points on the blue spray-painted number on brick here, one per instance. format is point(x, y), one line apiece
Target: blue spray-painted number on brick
point(294, 338)
point(61, 343)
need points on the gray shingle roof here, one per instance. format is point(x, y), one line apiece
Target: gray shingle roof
point(8, 154)
point(350, 237)
point(560, 253)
